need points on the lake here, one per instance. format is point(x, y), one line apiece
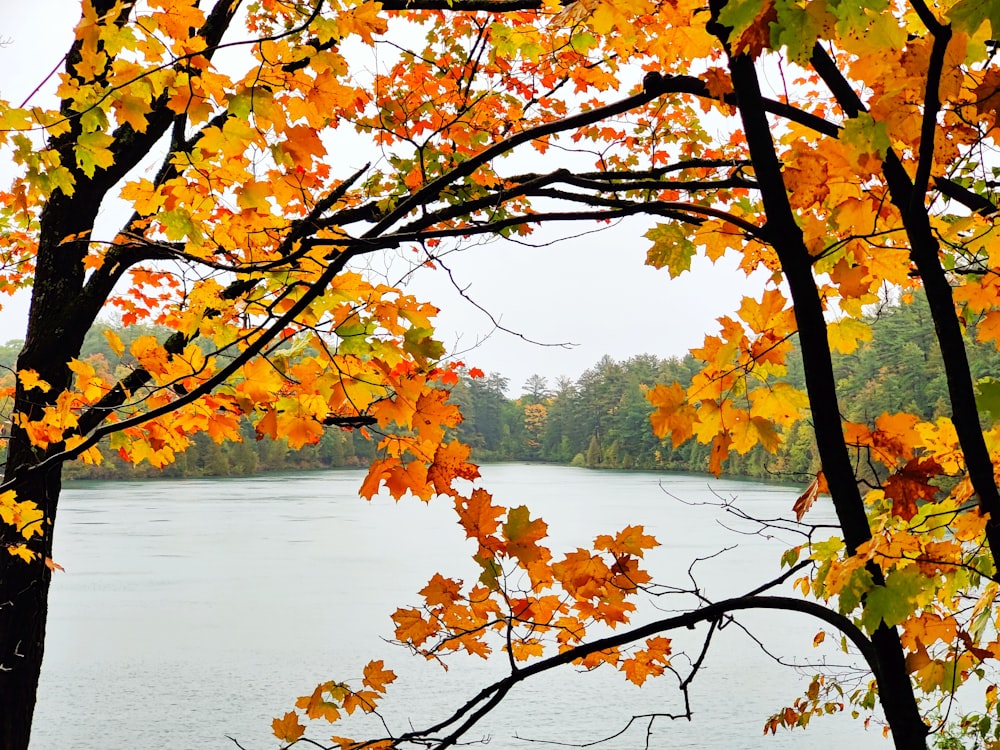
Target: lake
point(194, 610)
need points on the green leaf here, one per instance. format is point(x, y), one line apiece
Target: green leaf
point(420, 343)
point(866, 135)
point(988, 397)
point(797, 29)
point(858, 584)
point(894, 602)
point(582, 42)
point(241, 104)
point(739, 14)
point(177, 224)
point(491, 571)
point(354, 337)
point(671, 249)
point(518, 523)
point(790, 557)
point(969, 15)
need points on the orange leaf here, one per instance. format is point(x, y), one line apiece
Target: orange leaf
point(316, 707)
point(440, 591)
point(366, 700)
point(910, 485)
point(411, 627)
point(477, 515)
point(720, 451)
point(288, 728)
point(805, 501)
point(377, 677)
point(757, 36)
point(450, 463)
point(673, 416)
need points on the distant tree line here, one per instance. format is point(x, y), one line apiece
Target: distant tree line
point(599, 420)
point(602, 418)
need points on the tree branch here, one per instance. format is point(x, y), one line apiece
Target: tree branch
point(487, 698)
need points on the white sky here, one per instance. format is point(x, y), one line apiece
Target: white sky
point(593, 291)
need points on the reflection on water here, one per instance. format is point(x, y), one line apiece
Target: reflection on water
point(193, 610)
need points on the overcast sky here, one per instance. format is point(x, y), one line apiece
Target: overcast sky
point(592, 291)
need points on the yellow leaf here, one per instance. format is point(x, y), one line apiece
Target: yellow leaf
point(22, 551)
point(846, 334)
point(116, 344)
point(30, 380)
point(93, 151)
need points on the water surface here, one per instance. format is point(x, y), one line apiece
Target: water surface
point(194, 610)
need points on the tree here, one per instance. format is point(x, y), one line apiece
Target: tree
point(536, 389)
point(870, 171)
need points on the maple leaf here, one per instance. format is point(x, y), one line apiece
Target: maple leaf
point(845, 334)
point(29, 379)
point(433, 415)
point(969, 15)
point(441, 591)
point(288, 728)
point(411, 627)
point(377, 677)
point(807, 178)
point(21, 551)
point(114, 341)
point(720, 450)
point(478, 515)
point(648, 662)
point(927, 628)
point(768, 314)
point(894, 602)
point(316, 706)
point(673, 416)
point(450, 463)
point(93, 152)
point(894, 436)
point(806, 500)
point(632, 540)
point(522, 650)
point(910, 485)
point(672, 249)
point(582, 574)
point(866, 136)
point(755, 36)
point(366, 700)
point(523, 534)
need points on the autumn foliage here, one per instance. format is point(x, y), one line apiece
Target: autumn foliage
point(255, 156)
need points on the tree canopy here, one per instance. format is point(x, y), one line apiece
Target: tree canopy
point(264, 152)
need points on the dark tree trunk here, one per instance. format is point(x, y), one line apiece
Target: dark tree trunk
point(24, 589)
point(909, 732)
point(57, 323)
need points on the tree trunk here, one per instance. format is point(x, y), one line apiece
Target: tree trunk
point(24, 589)
point(57, 323)
point(894, 687)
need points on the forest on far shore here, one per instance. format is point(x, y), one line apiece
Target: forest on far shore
point(599, 420)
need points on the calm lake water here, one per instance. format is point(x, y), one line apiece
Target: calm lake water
point(193, 610)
